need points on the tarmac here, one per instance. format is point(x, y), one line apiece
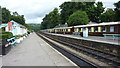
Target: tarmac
point(34, 51)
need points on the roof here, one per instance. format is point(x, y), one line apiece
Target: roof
point(100, 24)
point(17, 24)
point(63, 28)
point(14, 24)
point(59, 26)
point(3, 25)
point(90, 24)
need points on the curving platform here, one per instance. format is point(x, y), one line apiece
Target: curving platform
point(34, 51)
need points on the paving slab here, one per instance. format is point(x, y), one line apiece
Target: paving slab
point(34, 51)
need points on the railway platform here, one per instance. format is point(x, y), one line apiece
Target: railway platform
point(91, 38)
point(34, 51)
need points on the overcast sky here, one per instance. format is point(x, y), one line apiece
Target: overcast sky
point(35, 10)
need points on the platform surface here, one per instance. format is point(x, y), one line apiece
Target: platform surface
point(91, 38)
point(34, 51)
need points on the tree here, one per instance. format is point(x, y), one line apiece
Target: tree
point(0, 15)
point(108, 16)
point(51, 20)
point(5, 15)
point(19, 19)
point(92, 9)
point(15, 14)
point(98, 11)
point(91, 12)
point(35, 27)
point(78, 18)
point(68, 8)
point(117, 9)
point(94, 12)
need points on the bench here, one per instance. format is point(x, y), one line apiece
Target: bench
point(76, 33)
point(113, 35)
point(12, 40)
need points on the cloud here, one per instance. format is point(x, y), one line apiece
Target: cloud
point(108, 0)
point(108, 3)
point(35, 20)
point(35, 10)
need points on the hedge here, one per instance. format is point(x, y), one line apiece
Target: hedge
point(6, 35)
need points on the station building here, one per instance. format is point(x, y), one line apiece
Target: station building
point(15, 28)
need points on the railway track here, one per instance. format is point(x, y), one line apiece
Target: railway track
point(76, 59)
point(113, 61)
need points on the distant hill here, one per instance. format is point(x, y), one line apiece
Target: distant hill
point(34, 26)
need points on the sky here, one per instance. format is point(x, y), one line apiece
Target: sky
point(35, 10)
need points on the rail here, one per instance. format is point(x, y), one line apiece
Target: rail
point(101, 56)
point(81, 62)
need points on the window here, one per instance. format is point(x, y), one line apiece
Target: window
point(64, 30)
point(81, 30)
point(89, 29)
point(103, 29)
point(111, 28)
point(67, 30)
point(60, 29)
point(96, 29)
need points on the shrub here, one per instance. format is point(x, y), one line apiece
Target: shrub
point(17, 36)
point(24, 34)
point(78, 18)
point(6, 35)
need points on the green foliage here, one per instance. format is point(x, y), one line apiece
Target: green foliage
point(25, 34)
point(30, 27)
point(5, 15)
point(108, 16)
point(3, 29)
point(6, 35)
point(94, 12)
point(92, 9)
point(78, 18)
point(19, 19)
point(51, 20)
point(68, 8)
point(98, 10)
point(35, 27)
point(117, 10)
point(17, 36)
point(0, 15)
